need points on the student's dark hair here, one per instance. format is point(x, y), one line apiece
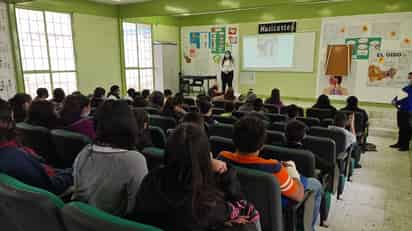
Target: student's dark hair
point(293, 111)
point(116, 125)
point(295, 131)
point(323, 101)
point(58, 95)
point(202, 97)
point(114, 91)
point(229, 94)
point(341, 119)
point(131, 92)
point(167, 92)
point(275, 96)
point(194, 117)
point(258, 104)
point(249, 134)
point(7, 128)
point(352, 102)
point(141, 117)
point(187, 158)
point(410, 73)
point(99, 92)
point(42, 113)
point(17, 105)
point(230, 57)
point(42, 92)
point(157, 98)
point(72, 108)
point(204, 106)
point(139, 101)
point(229, 106)
point(179, 99)
point(145, 93)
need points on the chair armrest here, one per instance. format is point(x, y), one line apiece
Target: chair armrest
point(295, 216)
point(342, 156)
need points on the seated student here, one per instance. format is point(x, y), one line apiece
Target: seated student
point(341, 123)
point(249, 136)
point(213, 91)
point(167, 94)
point(190, 192)
point(229, 109)
point(293, 112)
point(323, 102)
point(144, 138)
point(98, 97)
point(20, 104)
point(275, 98)
point(174, 107)
point(146, 94)
point(108, 174)
point(75, 115)
point(249, 104)
point(131, 94)
point(22, 163)
point(156, 100)
point(205, 109)
point(139, 101)
point(114, 92)
point(228, 96)
point(42, 94)
point(295, 132)
point(258, 106)
point(42, 113)
point(58, 98)
point(352, 105)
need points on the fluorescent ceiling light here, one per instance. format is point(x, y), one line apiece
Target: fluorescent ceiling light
point(230, 4)
point(174, 9)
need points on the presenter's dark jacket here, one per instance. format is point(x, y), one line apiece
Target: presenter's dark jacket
point(405, 104)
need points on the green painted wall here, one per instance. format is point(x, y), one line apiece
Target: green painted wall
point(97, 51)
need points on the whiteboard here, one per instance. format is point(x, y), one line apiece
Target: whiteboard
point(7, 73)
point(303, 52)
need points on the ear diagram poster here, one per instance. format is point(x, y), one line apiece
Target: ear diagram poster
point(389, 68)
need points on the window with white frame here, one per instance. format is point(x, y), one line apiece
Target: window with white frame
point(138, 55)
point(46, 49)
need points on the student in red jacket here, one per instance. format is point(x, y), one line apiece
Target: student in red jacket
point(23, 164)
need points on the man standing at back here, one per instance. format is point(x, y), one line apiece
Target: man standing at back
point(404, 106)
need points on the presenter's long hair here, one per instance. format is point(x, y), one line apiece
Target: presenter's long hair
point(230, 57)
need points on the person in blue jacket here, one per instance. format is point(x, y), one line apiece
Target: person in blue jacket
point(404, 117)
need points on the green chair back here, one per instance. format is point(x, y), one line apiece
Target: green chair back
point(78, 216)
point(26, 207)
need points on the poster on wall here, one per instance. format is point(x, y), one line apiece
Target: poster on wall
point(218, 40)
point(381, 58)
point(362, 47)
point(389, 68)
point(7, 74)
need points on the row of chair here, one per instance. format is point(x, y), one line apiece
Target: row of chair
point(58, 147)
point(23, 207)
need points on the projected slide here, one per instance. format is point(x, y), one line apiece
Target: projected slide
point(268, 51)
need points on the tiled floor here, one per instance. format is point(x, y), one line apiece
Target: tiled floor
point(380, 196)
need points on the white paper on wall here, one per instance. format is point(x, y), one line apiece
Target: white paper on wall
point(7, 73)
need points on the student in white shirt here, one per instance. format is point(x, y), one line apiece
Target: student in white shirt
point(228, 68)
point(342, 121)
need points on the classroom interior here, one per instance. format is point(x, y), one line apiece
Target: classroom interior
point(78, 45)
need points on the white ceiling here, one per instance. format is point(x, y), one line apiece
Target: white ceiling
point(116, 2)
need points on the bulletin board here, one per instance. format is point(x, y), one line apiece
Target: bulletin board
point(381, 55)
point(7, 72)
point(203, 48)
